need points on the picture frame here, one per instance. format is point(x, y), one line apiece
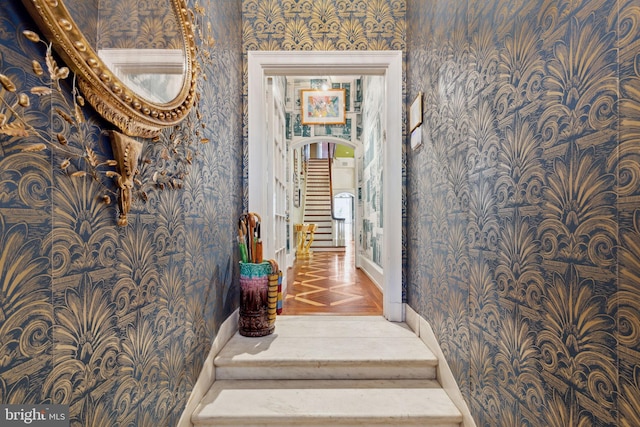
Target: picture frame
point(415, 113)
point(323, 107)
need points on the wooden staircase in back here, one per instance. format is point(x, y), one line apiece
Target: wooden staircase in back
point(318, 204)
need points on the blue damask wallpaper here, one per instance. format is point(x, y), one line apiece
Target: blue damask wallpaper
point(525, 197)
point(115, 322)
point(323, 24)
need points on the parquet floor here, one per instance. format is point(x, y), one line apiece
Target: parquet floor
point(328, 283)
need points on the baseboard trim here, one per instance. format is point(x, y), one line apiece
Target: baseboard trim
point(373, 272)
point(423, 329)
point(208, 374)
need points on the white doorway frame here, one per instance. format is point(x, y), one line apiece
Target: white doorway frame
point(262, 64)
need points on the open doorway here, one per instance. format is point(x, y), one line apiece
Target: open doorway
point(264, 65)
point(344, 204)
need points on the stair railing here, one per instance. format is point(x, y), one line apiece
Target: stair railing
point(303, 189)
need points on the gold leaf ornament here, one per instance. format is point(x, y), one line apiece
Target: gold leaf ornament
point(92, 157)
point(23, 100)
point(55, 72)
point(37, 68)
point(78, 114)
point(65, 164)
point(14, 129)
point(31, 36)
point(51, 63)
point(62, 73)
point(7, 83)
point(65, 116)
point(34, 148)
point(62, 139)
point(41, 90)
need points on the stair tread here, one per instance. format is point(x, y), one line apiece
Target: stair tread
point(334, 351)
point(296, 402)
point(347, 342)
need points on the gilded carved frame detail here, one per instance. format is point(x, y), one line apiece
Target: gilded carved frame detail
point(133, 115)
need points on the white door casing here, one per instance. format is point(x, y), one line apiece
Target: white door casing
point(275, 163)
point(299, 63)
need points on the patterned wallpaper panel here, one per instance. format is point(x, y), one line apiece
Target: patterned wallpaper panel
point(114, 322)
point(525, 196)
point(323, 24)
point(137, 24)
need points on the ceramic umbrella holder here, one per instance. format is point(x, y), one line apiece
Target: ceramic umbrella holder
point(255, 319)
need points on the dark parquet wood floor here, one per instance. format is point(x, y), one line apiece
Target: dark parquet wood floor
point(328, 283)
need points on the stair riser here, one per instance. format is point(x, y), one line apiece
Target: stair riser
point(321, 246)
point(329, 421)
point(330, 249)
point(328, 372)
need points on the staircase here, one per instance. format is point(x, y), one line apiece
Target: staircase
point(327, 370)
point(317, 207)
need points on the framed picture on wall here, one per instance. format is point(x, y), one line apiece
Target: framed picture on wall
point(323, 107)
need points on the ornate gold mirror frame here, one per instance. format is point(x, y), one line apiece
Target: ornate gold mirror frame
point(132, 114)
